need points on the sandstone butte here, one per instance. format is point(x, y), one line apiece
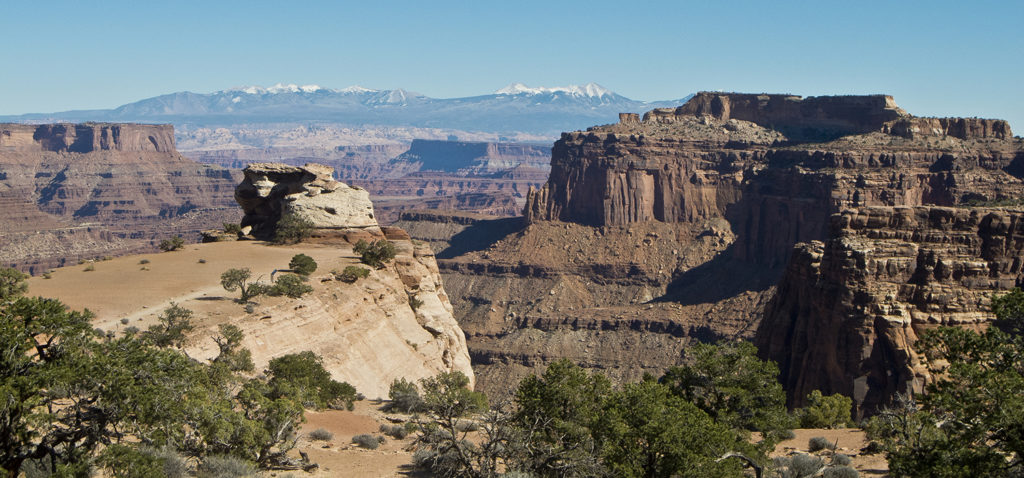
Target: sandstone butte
point(71, 192)
point(366, 332)
point(829, 230)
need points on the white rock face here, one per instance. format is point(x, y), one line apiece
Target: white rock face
point(341, 208)
point(310, 192)
point(366, 332)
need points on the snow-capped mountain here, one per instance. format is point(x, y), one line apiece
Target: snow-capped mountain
point(515, 108)
point(591, 90)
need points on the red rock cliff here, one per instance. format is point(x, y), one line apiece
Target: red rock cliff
point(848, 310)
point(86, 138)
point(885, 206)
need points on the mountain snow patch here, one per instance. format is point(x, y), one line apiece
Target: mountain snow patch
point(590, 90)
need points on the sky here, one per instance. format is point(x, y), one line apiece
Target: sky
point(937, 58)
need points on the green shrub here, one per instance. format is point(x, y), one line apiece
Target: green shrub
point(232, 228)
point(320, 434)
point(415, 303)
point(818, 444)
point(216, 466)
point(238, 279)
point(405, 397)
point(290, 285)
point(832, 411)
point(367, 441)
point(376, 253)
point(12, 283)
point(292, 229)
point(172, 244)
point(90, 268)
point(302, 376)
point(352, 274)
point(144, 261)
point(302, 264)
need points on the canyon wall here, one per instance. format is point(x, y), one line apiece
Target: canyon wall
point(847, 311)
point(86, 138)
point(729, 184)
point(80, 191)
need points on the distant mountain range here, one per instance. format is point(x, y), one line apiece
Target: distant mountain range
point(515, 108)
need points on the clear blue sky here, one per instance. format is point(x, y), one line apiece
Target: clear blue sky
point(955, 58)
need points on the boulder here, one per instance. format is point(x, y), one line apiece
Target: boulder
point(309, 192)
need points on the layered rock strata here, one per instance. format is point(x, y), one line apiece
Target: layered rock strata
point(730, 183)
point(75, 192)
point(848, 310)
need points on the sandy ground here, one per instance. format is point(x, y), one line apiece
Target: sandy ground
point(125, 287)
point(849, 441)
point(340, 457)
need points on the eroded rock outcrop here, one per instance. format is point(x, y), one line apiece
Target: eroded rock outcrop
point(309, 192)
point(848, 310)
point(367, 332)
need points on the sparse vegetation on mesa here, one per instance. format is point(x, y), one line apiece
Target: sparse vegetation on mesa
point(240, 280)
point(71, 399)
point(374, 254)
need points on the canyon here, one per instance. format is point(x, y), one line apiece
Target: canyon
point(751, 217)
point(830, 231)
point(474, 176)
point(78, 192)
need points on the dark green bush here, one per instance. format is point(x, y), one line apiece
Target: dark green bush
point(292, 229)
point(303, 377)
point(352, 274)
point(172, 244)
point(290, 285)
point(302, 264)
point(232, 228)
point(832, 411)
point(375, 254)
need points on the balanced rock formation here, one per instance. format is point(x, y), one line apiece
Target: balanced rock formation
point(309, 192)
point(682, 223)
point(71, 192)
